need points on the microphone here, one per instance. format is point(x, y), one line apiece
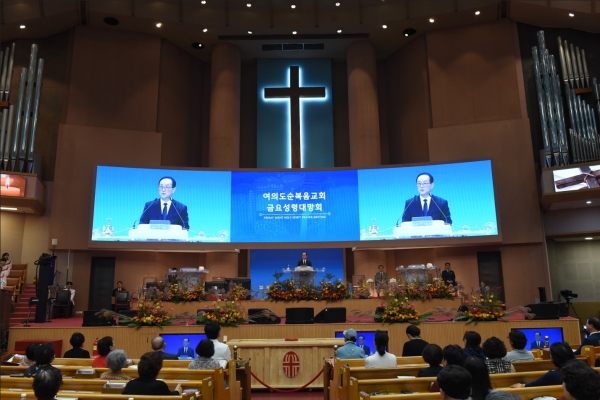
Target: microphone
point(140, 217)
point(405, 208)
point(182, 221)
point(445, 218)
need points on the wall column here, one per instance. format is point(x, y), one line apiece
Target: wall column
point(224, 136)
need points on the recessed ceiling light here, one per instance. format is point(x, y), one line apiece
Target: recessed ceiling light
point(571, 15)
point(197, 45)
point(158, 24)
point(293, 6)
point(205, 30)
point(339, 31)
point(384, 26)
point(203, 2)
point(9, 208)
point(111, 21)
point(337, 4)
point(249, 32)
point(248, 5)
point(431, 20)
point(589, 238)
point(588, 202)
point(22, 26)
point(477, 12)
point(294, 32)
point(409, 32)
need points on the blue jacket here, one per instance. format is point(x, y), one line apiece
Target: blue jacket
point(349, 350)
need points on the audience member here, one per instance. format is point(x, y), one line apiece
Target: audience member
point(105, 346)
point(381, 359)
point(47, 383)
point(415, 345)
point(500, 395)
point(6, 265)
point(349, 349)
point(518, 341)
point(452, 355)
point(432, 354)
point(592, 326)
point(580, 381)
point(77, 340)
point(44, 355)
point(205, 350)
point(115, 361)
point(472, 342)
point(158, 345)
point(222, 352)
point(148, 368)
point(455, 382)
point(560, 353)
point(495, 351)
point(29, 358)
point(482, 386)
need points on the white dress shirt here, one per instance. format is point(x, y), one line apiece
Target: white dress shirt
point(222, 353)
point(387, 360)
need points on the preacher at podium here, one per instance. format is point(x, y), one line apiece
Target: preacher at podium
point(165, 207)
point(304, 261)
point(425, 204)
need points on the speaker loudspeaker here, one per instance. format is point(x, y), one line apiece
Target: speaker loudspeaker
point(331, 315)
point(379, 310)
point(90, 319)
point(544, 310)
point(299, 315)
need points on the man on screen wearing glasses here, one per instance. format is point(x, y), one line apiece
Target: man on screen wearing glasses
point(165, 207)
point(425, 204)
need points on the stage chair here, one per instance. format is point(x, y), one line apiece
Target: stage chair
point(122, 301)
point(148, 279)
point(16, 282)
point(18, 274)
point(62, 304)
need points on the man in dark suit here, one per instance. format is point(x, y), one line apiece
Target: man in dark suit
point(448, 276)
point(592, 326)
point(538, 343)
point(186, 350)
point(304, 262)
point(362, 345)
point(118, 289)
point(159, 345)
point(425, 204)
point(164, 207)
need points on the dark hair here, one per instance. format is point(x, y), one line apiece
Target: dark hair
point(121, 282)
point(77, 340)
point(412, 330)
point(425, 173)
point(44, 353)
point(560, 353)
point(168, 177)
point(432, 354)
point(5, 254)
point(501, 395)
point(150, 365)
point(481, 378)
point(580, 380)
point(206, 348)
point(494, 348)
point(212, 330)
point(104, 345)
point(447, 264)
point(30, 351)
point(380, 265)
point(455, 381)
point(518, 339)
point(381, 341)
point(158, 343)
point(595, 322)
point(454, 355)
point(69, 283)
point(473, 340)
point(47, 382)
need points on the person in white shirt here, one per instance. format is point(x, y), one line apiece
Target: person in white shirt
point(6, 267)
point(222, 351)
point(381, 359)
point(72, 303)
point(518, 341)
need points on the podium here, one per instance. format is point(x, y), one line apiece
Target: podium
point(152, 232)
point(305, 277)
point(421, 229)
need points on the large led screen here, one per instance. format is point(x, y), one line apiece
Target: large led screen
point(295, 206)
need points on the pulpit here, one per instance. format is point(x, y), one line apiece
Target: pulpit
point(305, 277)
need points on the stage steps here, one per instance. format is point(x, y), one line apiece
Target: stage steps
point(19, 315)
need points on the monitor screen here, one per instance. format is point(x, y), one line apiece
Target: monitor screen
point(215, 285)
point(176, 344)
point(364, 338)
point(533, 334)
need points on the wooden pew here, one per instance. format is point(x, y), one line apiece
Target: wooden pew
point(374, 373)
point(205, 386)
point(524, 393)
point(591, 353)
point(16, 394)
point(539, 365)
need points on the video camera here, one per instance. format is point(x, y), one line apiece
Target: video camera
point(568, 295)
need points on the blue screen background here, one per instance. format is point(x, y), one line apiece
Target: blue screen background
point(175, 340)
point(555, 335)
point(369, 339)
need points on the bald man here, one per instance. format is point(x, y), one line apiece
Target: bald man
point(159, 345)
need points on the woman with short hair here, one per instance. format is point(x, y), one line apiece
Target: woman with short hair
point(148, 369)
point(415, 345)
point(115, 361)
point(77, 340)
point(205, 350)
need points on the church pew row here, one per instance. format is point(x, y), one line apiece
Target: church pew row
point(204, 387)
point(591, 353)
point(16, 394)
point(524, 393)
point(217, 375)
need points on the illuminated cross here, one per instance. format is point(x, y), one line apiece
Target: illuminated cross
point(294, 93)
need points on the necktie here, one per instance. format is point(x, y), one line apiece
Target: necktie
point(185, 350)
point(304, 262)
point(425, 208)
point(164, 210)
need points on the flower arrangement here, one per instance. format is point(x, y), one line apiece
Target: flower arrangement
point(224, 312)
point(149, 313)
point(362, 291)
point(400, 310)
point(290, 290)
point(485, 305)
point(176, 295)
point(237, 292)
point(421, 290)
point(333, 290)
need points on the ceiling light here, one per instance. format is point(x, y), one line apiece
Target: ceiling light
point(203, 2)
point(294, 32)
point(22, 26)
point(339, 31)
point(158, 24)
point(589, 238)
point(337, 4)
point(249, 32)
point(197, 45)
point(409, 32)
point(9, 208)
point(205, 30)
point(477, 12)
point(384, 26)
point(431, 20)
point(293, 6)
point(571, 15)
point(248, 5)
point(588, 202)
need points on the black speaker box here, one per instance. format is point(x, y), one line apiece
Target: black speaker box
point(544, 310)
point(263, 320)
point(127, 313)
point(45, 273)
point(90, 319)
point(378, 310)
point(331, 315)
point(300, 315)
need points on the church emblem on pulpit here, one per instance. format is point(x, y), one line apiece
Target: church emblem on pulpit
point(291, 364)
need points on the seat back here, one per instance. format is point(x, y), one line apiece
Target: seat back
point(62, 297)
point(121, 297)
